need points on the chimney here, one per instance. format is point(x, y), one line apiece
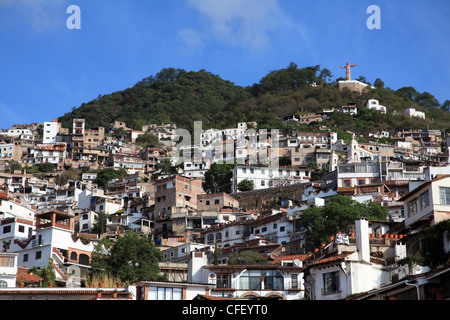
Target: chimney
point(362, 240)
point(197, 259)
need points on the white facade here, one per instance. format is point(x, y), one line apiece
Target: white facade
point(49, 242)
point(50, 131)
point(8, 269)
point(357, 174)
point(266, 177)
point(431, 199)
point(414, 113)
point(373, 104)
point(247, 281)
point(10, 208)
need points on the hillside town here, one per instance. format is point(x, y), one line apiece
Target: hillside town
point(52, 200)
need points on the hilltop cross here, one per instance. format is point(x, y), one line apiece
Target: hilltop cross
point(348, 72)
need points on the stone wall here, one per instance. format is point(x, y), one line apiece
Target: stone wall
point(270, 197)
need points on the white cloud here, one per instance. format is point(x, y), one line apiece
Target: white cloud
point(192, 38)
point(40, 15)
point(245, 23)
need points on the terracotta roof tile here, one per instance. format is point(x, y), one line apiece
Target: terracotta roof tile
point(301, 257)
point(335, 258)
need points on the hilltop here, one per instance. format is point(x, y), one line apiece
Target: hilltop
point(182, 97)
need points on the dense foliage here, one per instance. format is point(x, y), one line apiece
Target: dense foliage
point(339, 215)
point(132, 257)
point(182, 97)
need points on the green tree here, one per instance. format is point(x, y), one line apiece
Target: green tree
point(108, 174)
point(247, 257)
point(46, 167)
point(119, 133)
point(100, 256)
point(100, 221)
point(47, 273)
point(218, 177)
point(337, 216)
point(246, 185)
point(378, 83)
point(132, 257)
point(427, 100)
point(432, 244)
point(166, 167)
point(147, 139)
point(12, 166)
point(446, 105)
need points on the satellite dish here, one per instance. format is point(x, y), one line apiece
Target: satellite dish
point(297, 263)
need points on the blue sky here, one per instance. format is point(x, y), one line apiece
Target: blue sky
point(46, 68)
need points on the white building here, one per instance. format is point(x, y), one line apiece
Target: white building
point(53, 238)
point(50, 131)
point(51, 153)
point(13, 208)
point(411, 112)
point(266, 177)
point(246, 282)
point(373, 104)
point(8, 269)
point(429, 201)
point(335, 272)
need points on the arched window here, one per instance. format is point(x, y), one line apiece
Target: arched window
point(74, 256)
point(210, 237)
point(218, 236)
point(84, 259)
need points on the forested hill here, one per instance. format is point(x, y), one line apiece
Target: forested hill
point(182, 97)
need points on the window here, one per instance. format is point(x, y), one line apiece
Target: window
point(347, 183)
point(294, 281)
point(444, 195)
point(217, 201)
point(412, 207)
point(253, 279)
point(331, 282)
point(25, 257)
point(7, 262)
point(22, 229)
point(158, 293)
point(361, 181)
point(38, 255)
point(424, 200)
point(223, 280)
point(6, 229)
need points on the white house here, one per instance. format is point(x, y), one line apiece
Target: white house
point(266, 177)
point(373, 104)
point(411, 112)
point(8, 269)
point(245, 281)
point(50, 131)
point(12, 208)
point(336, 272)
point(429, 201)
point(53, 238)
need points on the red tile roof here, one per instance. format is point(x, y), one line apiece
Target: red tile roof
point(336, 258)
point(22, 274)
point(208, 297)
point(301, 257)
